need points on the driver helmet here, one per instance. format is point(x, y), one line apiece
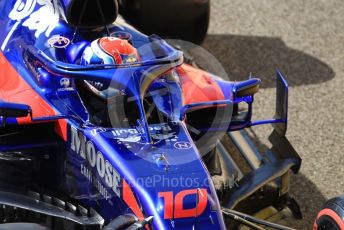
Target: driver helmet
point(109, 51)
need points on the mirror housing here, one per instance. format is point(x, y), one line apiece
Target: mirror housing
point(14, 110)
point(246, 88)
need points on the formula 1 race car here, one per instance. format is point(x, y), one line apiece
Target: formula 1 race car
point(103, 127)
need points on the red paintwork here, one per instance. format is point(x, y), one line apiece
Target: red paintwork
point(198, 86)
point(130, 200)
point(13, 88)
point(61, 129)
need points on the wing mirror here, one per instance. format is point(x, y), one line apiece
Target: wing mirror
point(246, 88)
point(13, 110)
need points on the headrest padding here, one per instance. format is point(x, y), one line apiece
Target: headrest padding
point(91, 13)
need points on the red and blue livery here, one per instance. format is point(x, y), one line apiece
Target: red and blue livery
point(98, 128)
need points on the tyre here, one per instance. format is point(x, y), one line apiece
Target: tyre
point(331, 216)
point(180, 19)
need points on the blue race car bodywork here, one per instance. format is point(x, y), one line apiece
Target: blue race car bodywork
point(148, 168)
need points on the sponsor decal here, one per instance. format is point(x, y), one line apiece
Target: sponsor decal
point(158, 132)
point(95, 162)
point(65, 84)
point(122, 133)
point(130, 139)
point(59, 42)
point(25, 12)
point(182, 145)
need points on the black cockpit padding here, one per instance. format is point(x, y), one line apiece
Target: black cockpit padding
point(91, 13)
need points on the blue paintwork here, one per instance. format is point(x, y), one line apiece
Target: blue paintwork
point(14, 106)
point(135, 161)
point(246, 84)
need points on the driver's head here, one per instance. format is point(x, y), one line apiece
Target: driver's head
point(110, 50)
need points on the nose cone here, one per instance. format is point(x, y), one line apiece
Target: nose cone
point(166, 179)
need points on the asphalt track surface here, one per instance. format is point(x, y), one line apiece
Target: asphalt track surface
point(305, 40)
